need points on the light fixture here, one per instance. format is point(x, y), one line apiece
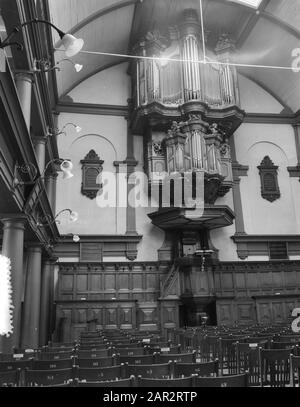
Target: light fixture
point(71, 44)
point(48, 219)
point(44, 65)
point(75, 238)
point(58, 132)
point(65, 165)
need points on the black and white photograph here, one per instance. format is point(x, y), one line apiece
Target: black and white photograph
point(149, 199)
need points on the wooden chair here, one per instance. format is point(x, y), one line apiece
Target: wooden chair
point(145, 382)
point(128, 345)
point(61, 344)
point(228, 361)
point(137, 360)
point(35, 378)
point(52, 364)
point(248, 361)
point(282, 345)
point(240, 380)
point(295, 370)
point(289, 338)
point(275, 366)
point(176, 357)
point(100, 374)
point(96, 362)
point(201, 369)
point(59, 349)
point(9, 378)
point(163, 348)
point(10, 357)
point(94, 353)
point(159, 371)
point(210, 348)
point(54, 355)
point(115, 383)
point(90, 335)
point(130, 351)
point(15, 365)
point(262, 342)
point(92, 346)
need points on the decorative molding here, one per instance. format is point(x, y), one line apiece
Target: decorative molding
point(269, 180)
point(239, 170)
point(90, 108)
point(109, 245)
point(294, 171)
point(258, 245)
point(91, 168)
point(270, 118)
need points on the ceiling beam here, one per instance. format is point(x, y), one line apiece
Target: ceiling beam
point(251, 24)
point(91, 108)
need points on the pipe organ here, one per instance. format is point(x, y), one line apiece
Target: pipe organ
point(187, 78)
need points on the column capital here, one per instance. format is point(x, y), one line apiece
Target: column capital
point(40, 139)
point(53, 174)
point(50, 261)
point(25, 75)
point(13, 221)
point(34, 246)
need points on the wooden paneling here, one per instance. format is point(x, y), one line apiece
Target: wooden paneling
point(91, 252)
point(263, 309)
point(106, 292)
point(73, 317)
point(248, 279)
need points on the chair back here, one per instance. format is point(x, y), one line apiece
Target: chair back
point(240, 380)
point(100, 373)
point(275, 366)
point(137, 360)
point(176, 357)
point(115, 383)
point(52, 364)
point(96, 362)
point(54, 355)
point(146, 382)
point(9, 378)
point(48, 377)
point(130, 351)
point(201, 369)
point(295, 370)
point(159, 371)
point(94, 353)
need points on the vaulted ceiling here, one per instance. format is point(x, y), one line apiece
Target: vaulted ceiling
point(265, 35)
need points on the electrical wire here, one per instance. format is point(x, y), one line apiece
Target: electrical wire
point(207, 61)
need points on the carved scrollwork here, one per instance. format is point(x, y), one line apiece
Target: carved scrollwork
point(158, 148)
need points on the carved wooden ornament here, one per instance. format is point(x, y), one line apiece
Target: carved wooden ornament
point(91, 168)
point(269, 180)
